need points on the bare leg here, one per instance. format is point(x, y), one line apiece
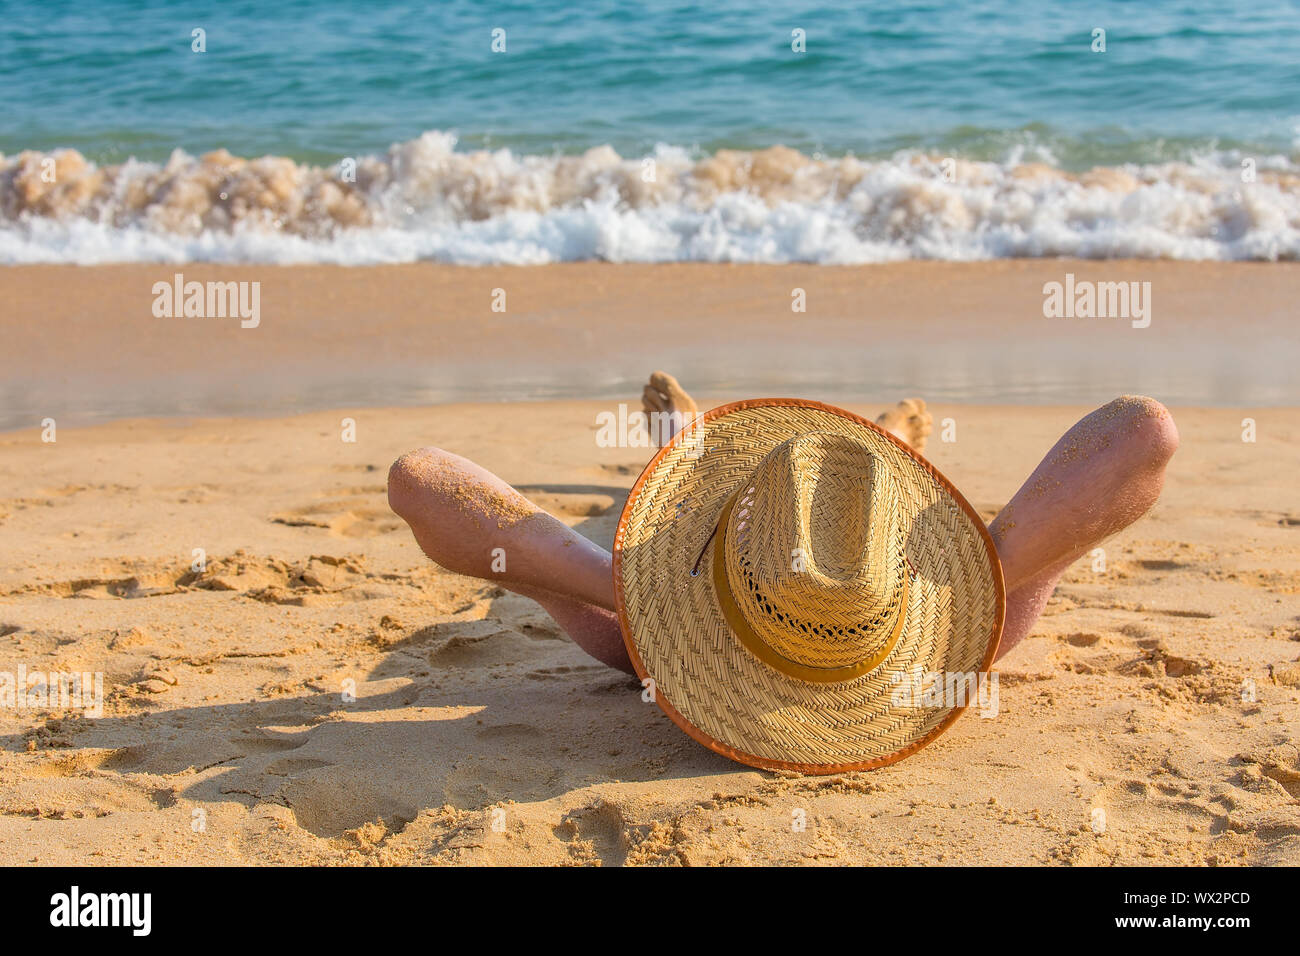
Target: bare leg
point(470, 521)
point(461, 514)
point(1104, 474)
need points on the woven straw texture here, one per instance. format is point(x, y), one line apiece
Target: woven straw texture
point(705, 677)
point(814, 550)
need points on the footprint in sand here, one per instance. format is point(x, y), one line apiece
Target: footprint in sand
point(317, 807)
point(1089, 652)
point(357, 513)
point(1176, 666)
point(502, 646)
point(1282, 765)
point(77, 764)
point(597, 832)
point(144, 584)
point(1083, 639)
point(574, 505)
point(274, 581)
point(479, 780)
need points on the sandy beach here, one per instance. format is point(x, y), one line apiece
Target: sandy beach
point(292, 292)
point(1160, 691)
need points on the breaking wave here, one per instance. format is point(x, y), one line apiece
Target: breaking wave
point(424, 200)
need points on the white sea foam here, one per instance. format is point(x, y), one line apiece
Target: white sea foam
point(425, 200)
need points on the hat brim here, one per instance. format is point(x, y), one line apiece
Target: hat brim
point(720, 693)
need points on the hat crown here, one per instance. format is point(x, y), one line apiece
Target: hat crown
point(814, 552)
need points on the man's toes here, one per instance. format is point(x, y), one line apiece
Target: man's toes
point(652, 400)
point(908, 410)
point(664, 382)
point(908, 420)
point(669, 387)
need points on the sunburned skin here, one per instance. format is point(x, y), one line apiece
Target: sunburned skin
point(1104, 473)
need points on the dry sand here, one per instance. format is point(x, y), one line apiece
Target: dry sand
point(225, 737)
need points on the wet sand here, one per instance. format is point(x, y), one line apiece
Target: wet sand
point(83, 344)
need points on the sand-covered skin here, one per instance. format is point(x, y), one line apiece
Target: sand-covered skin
point(225, 737)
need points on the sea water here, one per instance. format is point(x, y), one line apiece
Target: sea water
point(755, 131)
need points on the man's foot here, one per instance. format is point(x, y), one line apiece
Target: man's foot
point(667, 407)
point(908, 421)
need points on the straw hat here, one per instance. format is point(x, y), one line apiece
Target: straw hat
point(780, 565)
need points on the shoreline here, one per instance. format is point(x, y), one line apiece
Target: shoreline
point(85, 345)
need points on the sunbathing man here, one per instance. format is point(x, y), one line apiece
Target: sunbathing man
point(1103, 474)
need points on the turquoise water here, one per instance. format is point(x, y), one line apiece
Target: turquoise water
point(320, 80)
point(919, 130)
